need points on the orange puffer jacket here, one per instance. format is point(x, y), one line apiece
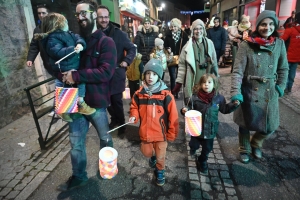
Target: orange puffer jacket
point(158, 114)
point(294, 48)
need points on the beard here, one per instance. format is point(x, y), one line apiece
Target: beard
point(86, 29)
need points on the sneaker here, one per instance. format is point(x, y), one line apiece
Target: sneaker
point(202, 166)
point(51, 114)
point(257, 153)
point(160, 177)
point(85, 109)
point(66, 117)
point(71, 184)
point(152, 161)
point(244, 158)
point(192, 152)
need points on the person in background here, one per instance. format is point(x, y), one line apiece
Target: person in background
point(232, 33)
point(97, 66)
point(161, 124)
point(225, 25)
point(175, 40)
point(258, 80)
point(161, 54)
point(207, 100)
point(218, 35)
point(117, 84)
point(290, 21)
point(293, 56)
point(198, 57)
point(145, 37)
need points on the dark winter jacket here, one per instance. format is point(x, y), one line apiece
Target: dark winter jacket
point(145, 41)
point(97, 66)
point(59, 44)
point(218, 36)
point(170, 42)
point(210, 112)
point(35, 48)
point(122, 44)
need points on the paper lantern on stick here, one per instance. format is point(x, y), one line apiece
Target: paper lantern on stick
point(126, 93)
point(108, 162)
point(193, 122)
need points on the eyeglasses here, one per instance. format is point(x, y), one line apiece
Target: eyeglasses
point(83, 13)
point(103, 17)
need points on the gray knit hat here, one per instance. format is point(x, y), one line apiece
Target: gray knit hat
point(267, 14)
point(196, 23)
point(155, 66)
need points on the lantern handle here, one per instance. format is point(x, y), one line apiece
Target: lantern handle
point(118, 127)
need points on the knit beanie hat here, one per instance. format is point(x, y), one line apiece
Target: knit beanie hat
point(176, 22)
point(155, 66)
point(225, 23)
point(146, 19)
point(234, 22)
point(297, 17)
point(196, 23)
point(267, 14)
point(158, 42)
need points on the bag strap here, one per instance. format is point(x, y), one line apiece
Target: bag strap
point(180, 42)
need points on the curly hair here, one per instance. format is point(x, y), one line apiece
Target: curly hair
point(203, 79)
point(51, 23)
point(92, 4)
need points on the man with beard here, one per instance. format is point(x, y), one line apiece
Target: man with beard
point(123, 43)
point(218, 35)
point(35, 45)
point(97, 66)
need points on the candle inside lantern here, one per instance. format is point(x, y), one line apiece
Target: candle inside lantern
point(108, 162)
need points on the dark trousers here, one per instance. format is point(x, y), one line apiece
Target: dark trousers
point(133, 86)
point(116, 109)
point(173, 75)
point(207, 146)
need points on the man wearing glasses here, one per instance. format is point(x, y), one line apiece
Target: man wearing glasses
point(97, 66)
point(35, 46)
point(123, 43)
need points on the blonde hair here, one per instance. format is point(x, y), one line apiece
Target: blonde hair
point(203, 79)
point(50, 23)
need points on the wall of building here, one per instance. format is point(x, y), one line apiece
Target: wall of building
point(14, 74)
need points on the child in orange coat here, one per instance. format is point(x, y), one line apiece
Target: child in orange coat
point(156, 108)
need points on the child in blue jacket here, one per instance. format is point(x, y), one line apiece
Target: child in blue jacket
point(58, 42)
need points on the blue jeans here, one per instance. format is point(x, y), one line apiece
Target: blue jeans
point(173, 75)
point(81, 87)
point(292, 74)
point(77, 133)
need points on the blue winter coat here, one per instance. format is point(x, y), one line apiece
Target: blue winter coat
point(122, 44)
point(59, 44)
point(218, 36)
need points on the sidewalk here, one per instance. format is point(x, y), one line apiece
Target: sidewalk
point(23, 169)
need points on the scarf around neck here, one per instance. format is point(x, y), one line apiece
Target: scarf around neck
point(206, 97)
point(158, 86)
point(176, 36)
point(261, 41)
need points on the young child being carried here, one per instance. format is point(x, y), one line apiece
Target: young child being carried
point(156, 108)
point(58, 42)
point(160, 53)
point(209, 102)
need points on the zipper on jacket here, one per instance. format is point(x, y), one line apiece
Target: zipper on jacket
point(153, 110)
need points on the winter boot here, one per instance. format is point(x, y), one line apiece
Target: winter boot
point(85, 109)
point(202, 166)
point(152, 161)
point(245, 147)
point(160, 177)
point(256, 144)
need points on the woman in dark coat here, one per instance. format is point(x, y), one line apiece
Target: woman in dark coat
point(258, 80)
point(175, 39)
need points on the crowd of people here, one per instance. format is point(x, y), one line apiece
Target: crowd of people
point(263, 70)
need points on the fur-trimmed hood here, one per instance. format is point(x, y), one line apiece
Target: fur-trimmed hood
point(143, 30)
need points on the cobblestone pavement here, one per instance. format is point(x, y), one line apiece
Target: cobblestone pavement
point(23, 169)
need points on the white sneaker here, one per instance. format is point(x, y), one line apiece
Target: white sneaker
point(51, 114)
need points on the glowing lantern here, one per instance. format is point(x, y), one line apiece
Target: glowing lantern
point(108, 162)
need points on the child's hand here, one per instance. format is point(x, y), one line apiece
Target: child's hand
point(131, 119)
point(78, 48)
point(184, 110)
point(236, 102)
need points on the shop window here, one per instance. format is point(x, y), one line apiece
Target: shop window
point(128, 27)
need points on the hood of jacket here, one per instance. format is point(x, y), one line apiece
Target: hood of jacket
point(143, 30)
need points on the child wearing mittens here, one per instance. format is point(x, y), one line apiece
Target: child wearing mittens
point(207, 100)
point(160, 53)
point(154, 105)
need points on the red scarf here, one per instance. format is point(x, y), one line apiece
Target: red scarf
point(261, 41)
point(206, 97)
